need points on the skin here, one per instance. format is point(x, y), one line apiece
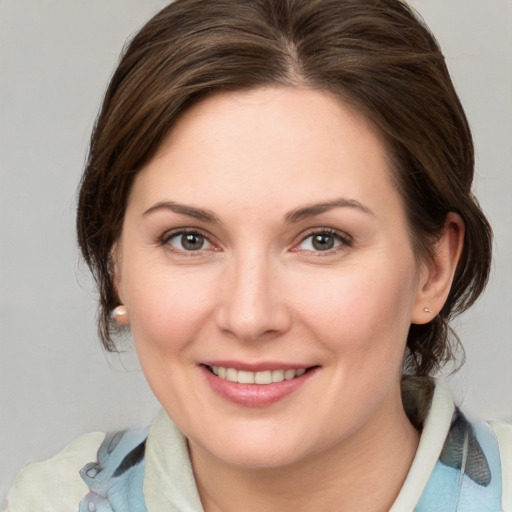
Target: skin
point(260, 291)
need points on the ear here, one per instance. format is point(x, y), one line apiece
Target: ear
point(120, 312)
point(437, 275)
point(115, 259)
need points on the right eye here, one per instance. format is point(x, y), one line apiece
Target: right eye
point(188, 241)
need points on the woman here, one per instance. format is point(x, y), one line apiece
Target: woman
point(277, 204)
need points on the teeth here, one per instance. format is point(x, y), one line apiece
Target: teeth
point(231, 375)
point(289, 374)
point(263, 377)
point(277, 375)
point(246, 377)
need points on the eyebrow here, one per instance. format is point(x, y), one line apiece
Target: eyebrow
point(292, 217)
point(191, 211)
point(318, 208)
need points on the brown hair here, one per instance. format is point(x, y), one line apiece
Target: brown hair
point(375, 54)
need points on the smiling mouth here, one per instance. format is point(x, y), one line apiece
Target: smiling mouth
point(261, 377)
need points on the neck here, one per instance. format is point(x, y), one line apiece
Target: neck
point(363, 472)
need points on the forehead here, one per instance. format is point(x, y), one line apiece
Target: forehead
point(273, 144)
point(270, 116)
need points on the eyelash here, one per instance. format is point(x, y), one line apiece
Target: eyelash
point(175, 234)
point(343, 239)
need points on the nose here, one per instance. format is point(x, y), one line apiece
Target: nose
point(252, 305)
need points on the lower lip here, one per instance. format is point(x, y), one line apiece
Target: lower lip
point(255, 395)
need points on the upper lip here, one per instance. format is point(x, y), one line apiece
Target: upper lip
point(256, 367)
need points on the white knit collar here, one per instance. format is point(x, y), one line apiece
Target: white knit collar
point(433, 436)
point(169, 484)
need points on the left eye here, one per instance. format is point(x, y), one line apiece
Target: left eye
point(189, 241)
point(321, 242)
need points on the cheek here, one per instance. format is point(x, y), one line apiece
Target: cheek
point(167, 314)
point(362, 310)
point(166, 311)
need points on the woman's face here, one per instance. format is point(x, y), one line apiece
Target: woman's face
point(266, 243)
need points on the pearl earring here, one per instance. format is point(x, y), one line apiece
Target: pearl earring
point(427, 310)
point(120, 315)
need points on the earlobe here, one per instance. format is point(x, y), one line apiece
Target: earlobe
point(436, 279)
point(120, 315)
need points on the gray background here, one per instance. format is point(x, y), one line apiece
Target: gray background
point(55, 59)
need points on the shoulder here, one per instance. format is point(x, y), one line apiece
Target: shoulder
point(503, 433)
point(116, 478)
point(55, 485)
point(477, 459)
point(460, 464)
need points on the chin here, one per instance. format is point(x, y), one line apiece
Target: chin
point(256, 448)
point(256, 457)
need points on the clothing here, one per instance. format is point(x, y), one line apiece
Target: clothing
point(137, 472)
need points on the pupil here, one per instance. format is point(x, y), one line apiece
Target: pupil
point(323, 242)
point(192, 242)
